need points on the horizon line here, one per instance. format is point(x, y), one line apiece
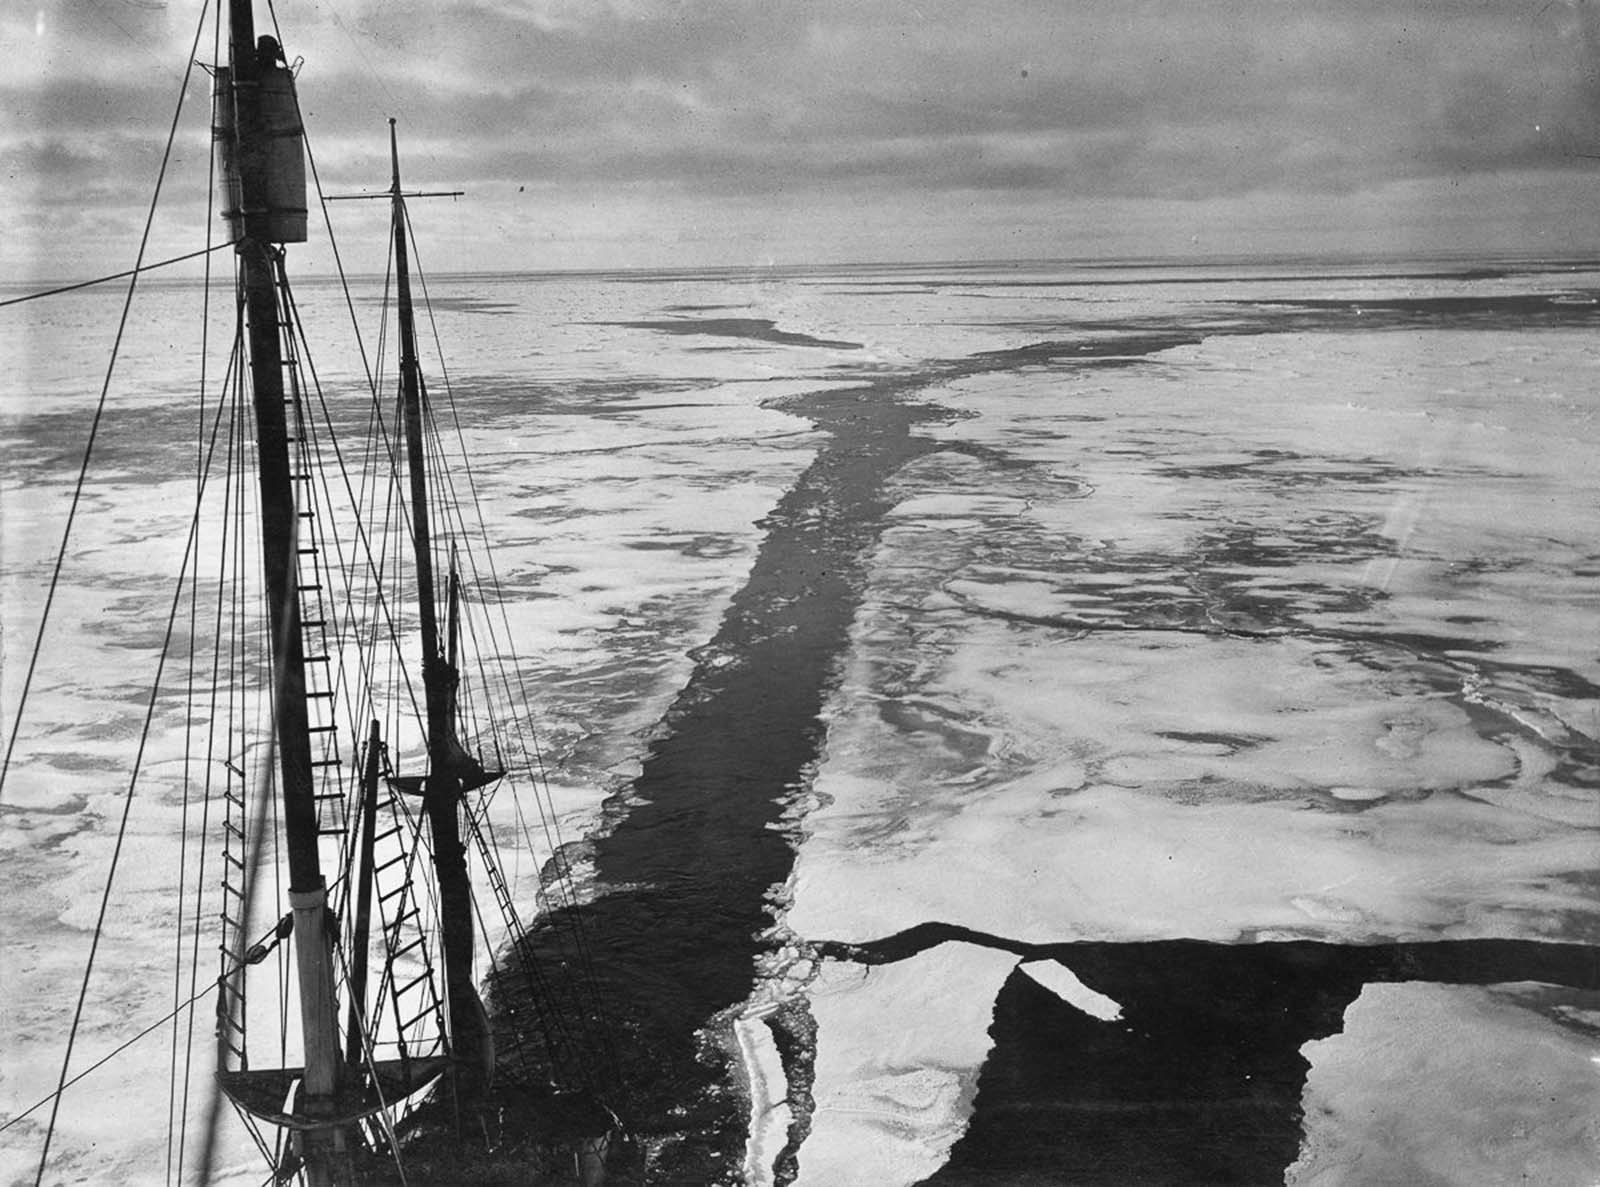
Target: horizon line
point(1347, 259)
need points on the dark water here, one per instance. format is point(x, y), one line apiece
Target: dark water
point(695, 846)
point(1201, 1081)
point(1201, 1078)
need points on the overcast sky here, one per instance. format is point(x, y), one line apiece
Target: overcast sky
point(651, 133)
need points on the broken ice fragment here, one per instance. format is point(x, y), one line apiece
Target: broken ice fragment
point(1062, 982)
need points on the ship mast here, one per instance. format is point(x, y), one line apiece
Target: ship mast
point(451, 773)
point(260, 235)
point(264, 176)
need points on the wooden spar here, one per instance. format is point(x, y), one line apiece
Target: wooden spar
point(453, 629)
point(258, 257)
point(443, 790)
point(354, 1049)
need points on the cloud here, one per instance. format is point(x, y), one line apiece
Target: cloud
point(902, 106)
point(1200, 98)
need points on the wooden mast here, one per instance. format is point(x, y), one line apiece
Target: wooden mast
point(444, 787)
point(355, 1053)
point(258, 256)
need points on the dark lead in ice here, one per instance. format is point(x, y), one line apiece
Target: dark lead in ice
point(1202, 1079)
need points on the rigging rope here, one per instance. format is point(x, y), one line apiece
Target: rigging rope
point(136, 271)
point(127, 809)
point(94, 429)
point(55, 577)
point(116, 1051)
point(512, 682)
point(178, 1110)
point(370, 1063)
point(105, 1059)
point(258, 833)
point(133, 274)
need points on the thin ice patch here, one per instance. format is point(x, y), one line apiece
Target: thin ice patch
point(1062, 982)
